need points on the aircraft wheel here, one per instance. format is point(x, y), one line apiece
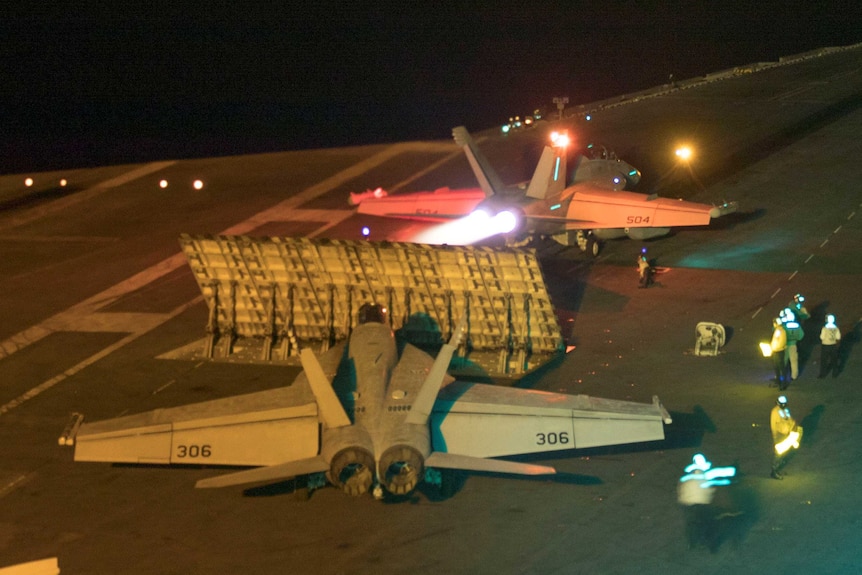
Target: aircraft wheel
point(593, 247)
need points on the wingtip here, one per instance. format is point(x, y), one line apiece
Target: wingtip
point(724, 209)
point(70, 432)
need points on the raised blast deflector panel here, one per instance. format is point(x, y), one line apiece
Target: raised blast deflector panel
point(260, 287)
point(288, 293)
point(261, 428)
point(486, 421)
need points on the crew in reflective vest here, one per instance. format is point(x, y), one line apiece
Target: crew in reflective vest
point(695, 492)
point(794, 335)
point(778, 345)
point(785, 434)
point(798, 307)
point(830, 335)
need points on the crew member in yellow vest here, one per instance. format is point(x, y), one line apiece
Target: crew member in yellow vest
point(785, 434)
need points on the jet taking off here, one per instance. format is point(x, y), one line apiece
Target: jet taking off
point(595, 207)
point(369, 420)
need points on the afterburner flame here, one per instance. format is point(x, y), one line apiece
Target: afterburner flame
point(470, 229)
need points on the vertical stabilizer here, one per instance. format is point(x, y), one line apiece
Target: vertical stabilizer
point(331, 410)
point(549, 179)
point(488, 179)
point(421, 408)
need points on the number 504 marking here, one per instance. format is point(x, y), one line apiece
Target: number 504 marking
point(552, 438)
point(192, 451)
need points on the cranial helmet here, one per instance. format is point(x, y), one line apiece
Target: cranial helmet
point(830, 319)
point(699, 464)
point(782, 401)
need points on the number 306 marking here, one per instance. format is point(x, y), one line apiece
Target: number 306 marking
point(552, 438)
point(184, 451)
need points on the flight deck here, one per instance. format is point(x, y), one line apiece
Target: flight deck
point(95, 290)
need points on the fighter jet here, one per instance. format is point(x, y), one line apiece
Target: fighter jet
point(365, 418)
point(594, 207)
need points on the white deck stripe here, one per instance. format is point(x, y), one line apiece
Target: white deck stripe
point(79, 316)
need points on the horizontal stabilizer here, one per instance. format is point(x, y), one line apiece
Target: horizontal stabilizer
point(269, 474)
point(453, 461)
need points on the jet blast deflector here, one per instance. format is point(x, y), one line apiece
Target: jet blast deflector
point(270, 297)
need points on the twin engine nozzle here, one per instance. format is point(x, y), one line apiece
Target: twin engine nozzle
point(400, 470)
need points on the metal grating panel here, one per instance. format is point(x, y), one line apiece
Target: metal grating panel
point(300, 291)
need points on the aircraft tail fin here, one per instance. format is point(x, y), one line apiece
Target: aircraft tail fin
point(454, 461)
point(549, 179)
point(270, 473)
point(421, 408)
point(331, 410)
point(488, 179)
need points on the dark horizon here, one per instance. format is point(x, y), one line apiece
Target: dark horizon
point(102, 87)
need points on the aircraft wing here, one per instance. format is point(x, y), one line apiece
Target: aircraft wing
point(265, 428)
point(41, 567)
point(440, 205)
point(620, 209)
point(480, 420)
point(551, 222)
point(261, 428)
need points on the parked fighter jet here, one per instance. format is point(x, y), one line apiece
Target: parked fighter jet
point(368, 419)
point(593, 208)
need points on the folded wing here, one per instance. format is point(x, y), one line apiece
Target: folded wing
point(261, 428)
point(487, 421)
point(440, 205)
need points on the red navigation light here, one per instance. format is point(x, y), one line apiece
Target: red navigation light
point(560, 140)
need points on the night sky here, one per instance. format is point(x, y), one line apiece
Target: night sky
point(87, 86)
